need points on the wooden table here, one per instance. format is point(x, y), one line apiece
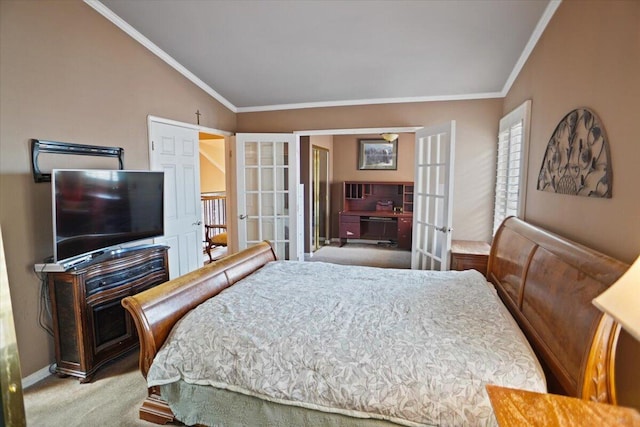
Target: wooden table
point(468, 254)
point(515, 408)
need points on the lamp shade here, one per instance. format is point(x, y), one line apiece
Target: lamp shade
point(389, 137)
point(622, 300)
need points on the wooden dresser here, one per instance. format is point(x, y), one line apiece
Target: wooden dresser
point(468, 255)
point(90, 325)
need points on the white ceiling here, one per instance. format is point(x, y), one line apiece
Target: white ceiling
point(257, 55)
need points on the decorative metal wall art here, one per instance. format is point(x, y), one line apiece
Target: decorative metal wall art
point(577, 157)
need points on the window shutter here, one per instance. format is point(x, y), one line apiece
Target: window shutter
point(508, 174)
point(511, 165)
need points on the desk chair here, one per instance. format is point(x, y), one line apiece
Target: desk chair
point(215, 236)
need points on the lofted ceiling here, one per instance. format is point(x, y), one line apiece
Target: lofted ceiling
point(255, 55)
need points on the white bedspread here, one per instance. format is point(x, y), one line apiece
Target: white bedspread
point(412, 347)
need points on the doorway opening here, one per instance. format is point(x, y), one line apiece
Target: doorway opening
point(213, 195)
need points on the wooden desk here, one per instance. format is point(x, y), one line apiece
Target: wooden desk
point(377, 225)
point(515, 408)
point(362, 217)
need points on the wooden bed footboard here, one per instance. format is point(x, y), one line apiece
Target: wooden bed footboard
point(156, 310)
point(548, 282)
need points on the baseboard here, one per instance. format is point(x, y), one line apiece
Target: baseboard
point(367, 241)
point(36, 377)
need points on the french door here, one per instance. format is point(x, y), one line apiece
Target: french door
point(433, 202)
point(267, 192)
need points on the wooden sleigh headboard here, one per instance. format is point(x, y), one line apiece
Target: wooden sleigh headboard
point(547, 282)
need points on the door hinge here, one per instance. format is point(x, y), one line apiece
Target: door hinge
point(153, 145)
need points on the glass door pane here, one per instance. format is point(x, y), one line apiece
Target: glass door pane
point(265, 193)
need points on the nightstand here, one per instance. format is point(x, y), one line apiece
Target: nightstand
point(467, 255)
point(515, 408)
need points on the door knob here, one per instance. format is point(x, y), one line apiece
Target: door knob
point(444, 229)
point(243, 217)
point(197, 223)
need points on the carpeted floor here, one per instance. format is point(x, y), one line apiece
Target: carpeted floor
point(112, 399)
point(369, 254)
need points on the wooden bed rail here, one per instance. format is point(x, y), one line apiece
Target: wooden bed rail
point(547, 283)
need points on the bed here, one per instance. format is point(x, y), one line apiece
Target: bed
point(539, 282)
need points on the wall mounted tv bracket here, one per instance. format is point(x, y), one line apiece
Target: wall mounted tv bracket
point(39, 146)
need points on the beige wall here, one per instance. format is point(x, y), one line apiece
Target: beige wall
point(212, 165)
point(574, 66)
point(346, 160)
point(475, 151)
point(212, 179)
point(589, 56)
point(67, 74)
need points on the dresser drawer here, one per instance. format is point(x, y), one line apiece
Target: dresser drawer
point(102, 282)
point(350, 230)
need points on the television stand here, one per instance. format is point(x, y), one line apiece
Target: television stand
point(90, 326)
point(67, 264)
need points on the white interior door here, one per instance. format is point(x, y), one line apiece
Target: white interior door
point(433, 202)
point(174, 150)
point(267, 186)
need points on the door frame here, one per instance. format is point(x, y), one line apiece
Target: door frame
point(317, 201)
point(198, 128)
point(348, 131)
point(358, 131)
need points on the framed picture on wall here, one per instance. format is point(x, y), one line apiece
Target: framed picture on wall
point(377, 154)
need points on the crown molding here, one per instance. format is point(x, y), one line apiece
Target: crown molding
point(369, 102)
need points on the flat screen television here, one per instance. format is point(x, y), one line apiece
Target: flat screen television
point(94, 210)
